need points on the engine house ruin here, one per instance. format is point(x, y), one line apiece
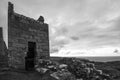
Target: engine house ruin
point(28, 39)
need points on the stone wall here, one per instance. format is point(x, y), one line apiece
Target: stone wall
point(1, 41)
point(21, 30)
point(3, 51)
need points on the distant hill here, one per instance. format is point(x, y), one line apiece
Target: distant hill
point(103, 59)
point(97, 59)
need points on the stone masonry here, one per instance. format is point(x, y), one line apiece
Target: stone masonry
point(1, 41)
point(21, 31)
point(3, 51)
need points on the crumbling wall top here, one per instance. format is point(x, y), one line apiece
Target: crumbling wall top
point(29, 20)
point(1, 32)
point(41, 19)
point(10, 8)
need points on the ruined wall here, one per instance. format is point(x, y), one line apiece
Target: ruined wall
point(3, 51)
point(1, 41)
point(21, 30)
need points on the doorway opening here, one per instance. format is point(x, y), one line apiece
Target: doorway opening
point(30, 57)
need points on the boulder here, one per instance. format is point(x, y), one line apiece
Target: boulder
point(63, 75)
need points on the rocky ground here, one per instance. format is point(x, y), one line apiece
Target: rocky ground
point(65, 69)
point(23, 75)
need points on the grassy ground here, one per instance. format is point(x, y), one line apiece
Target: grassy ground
point(23, 75)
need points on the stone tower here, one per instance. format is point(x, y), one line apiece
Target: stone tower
point(28, 39)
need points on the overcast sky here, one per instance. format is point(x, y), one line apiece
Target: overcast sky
point(76, 27)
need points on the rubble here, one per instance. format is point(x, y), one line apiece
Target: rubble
point(78, 70)
point(63, 75)
point(42, 70)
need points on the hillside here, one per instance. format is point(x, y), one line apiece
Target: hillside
point(112, 67)
point(55, 69)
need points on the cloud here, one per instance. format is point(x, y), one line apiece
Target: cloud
point(74, 38)
point(116, 51)
point(54, 50)
point(3, 18)
point(73, 24)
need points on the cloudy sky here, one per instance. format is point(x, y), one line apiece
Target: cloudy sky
point(76, 27)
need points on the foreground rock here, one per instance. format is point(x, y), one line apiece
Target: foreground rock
point(74, 69)
point(63, 75)
point(50, 70)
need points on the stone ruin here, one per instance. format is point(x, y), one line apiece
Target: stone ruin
point(3, 51)
point(28, 48)
point(28, 39)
